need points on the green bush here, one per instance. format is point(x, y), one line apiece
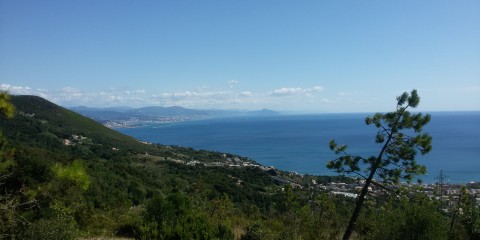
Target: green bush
point(61, 228)
point(174, 217)
point(407, 219)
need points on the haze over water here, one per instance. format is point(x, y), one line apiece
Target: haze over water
point(300, 142)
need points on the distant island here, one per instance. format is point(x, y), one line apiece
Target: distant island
point(125, 117)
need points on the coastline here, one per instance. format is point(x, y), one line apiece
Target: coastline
point(299, 143)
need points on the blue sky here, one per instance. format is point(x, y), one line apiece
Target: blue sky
point(314, 56)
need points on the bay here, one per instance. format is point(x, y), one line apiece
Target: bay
point(300, 142)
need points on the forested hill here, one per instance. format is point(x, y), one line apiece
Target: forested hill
point(32, 112)
point(74, 177)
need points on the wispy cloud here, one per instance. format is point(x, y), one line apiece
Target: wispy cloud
point(296, 91)
point(70, 93)
point(232, 83)
point(16, 89)
point(246, 93)
point(286, 91)
point(343, 94)
point(70, 96)
point(139, 91)
point(201, 97)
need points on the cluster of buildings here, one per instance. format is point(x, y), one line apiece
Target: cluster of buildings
point(73, 140)
point(448, 194)
point(135, 122)
point(230, 162)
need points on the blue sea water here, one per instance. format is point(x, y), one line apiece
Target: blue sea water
point(300, 142)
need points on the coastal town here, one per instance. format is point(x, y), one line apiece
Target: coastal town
point(135, 122)
point(448, 194)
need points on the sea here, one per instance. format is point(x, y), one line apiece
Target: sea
point(300, 143)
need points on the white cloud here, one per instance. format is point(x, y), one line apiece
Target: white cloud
point(19, 90)
point(71, 93)
point(70, 90)
point(286, 91)
point(196, 98)
point(343, 94)
point(326, 100)
point(246, 93)
point(316, 89)
point(114, 98)
point(192, 94)
point(139, 91)
point(232, 83)
point(199, 98)
point(296, 91)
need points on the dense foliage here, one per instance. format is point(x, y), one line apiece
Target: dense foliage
point(70, 177)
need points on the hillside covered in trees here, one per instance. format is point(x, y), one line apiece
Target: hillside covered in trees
point(65, 176)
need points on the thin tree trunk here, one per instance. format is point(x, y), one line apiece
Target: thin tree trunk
point(363, 193)
point(450, 232)
point(358, 206)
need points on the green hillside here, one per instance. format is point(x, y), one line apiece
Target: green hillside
point(88, 180)
point(70, 177)
point(62, 122)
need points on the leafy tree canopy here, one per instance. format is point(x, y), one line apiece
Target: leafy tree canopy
point(396, 158)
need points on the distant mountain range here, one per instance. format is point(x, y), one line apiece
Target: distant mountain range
point(116, 117)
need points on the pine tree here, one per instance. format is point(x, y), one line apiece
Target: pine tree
point(8, 202)
point(396, 158)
